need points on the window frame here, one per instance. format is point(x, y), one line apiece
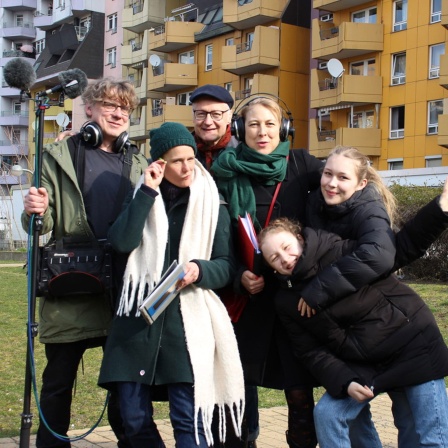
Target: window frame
point(19, 20)
point(190, 57)
point(112, 57)
point(181, 102)
point(434, 70)
point(429, 159)
point(112, 22)
point(208, 57)
point(398, 78)
point(436, 15)
point(396, 132)
point(366, 15)
point(365, 64)
point(364, 116)
point(402, 24)
point(39, 45)
point(17, 108)
point(433, 118)
point(391, 163)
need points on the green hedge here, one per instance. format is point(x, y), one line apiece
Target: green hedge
point(433, 266)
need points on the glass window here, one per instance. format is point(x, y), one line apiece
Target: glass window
point(362, 120)
point(40, 45)
point(363, 68)
point(230, 42)
point(400, 15)
point(435, 108)
point(396, 164)
point(19, 19)
point(17, 108)
point(398, 69)
point(249, 40)
point(187, 57)
point(208, 57)
point(85, 23)
point(365, 16)
point(228, 86)
point(112, 22)
point(436, 10)
point(15, 136)
point(112, 57)
point(435, 51)
point(183, 99)
point(396, 122)
point(433, 161)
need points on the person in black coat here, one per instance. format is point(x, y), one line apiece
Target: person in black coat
point(264, 177)
point(353, 203)
point(380, 338)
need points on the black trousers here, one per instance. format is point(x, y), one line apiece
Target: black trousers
point(58, 380)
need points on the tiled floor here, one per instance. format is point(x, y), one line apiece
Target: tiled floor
point(273, 423)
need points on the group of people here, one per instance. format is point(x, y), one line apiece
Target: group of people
point(325, 310)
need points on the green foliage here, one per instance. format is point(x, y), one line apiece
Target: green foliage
point(433, 266)
point(89, 398)
point(411, 198)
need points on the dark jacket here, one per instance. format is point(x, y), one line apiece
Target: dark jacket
point(264, 347)
point(383, 335)
point(157, 354)
point(363, 218)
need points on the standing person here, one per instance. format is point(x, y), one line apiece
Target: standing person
point(81, 209)
point(380, 338)
point(354, 203)
point(263, 176)
point(212, 114)
point(175, 214)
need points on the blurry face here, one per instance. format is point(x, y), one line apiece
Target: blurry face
point(262, 129)
point(179, 166)
point(112, 123)
point(282, 250)
point(208, 130)
point(339, 180)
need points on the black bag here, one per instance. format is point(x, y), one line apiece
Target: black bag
point(74, 268)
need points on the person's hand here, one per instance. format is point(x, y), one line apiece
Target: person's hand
point(191, 274)
point(64, 134)
point(443, 201)
point(36, 201)
point(305, 309)
point(154, 174)
point(358, 392)
point(252, 283)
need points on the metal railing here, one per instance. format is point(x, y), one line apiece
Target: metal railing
point(17, 25)
point(243, 47)
point(136, 46)
point(81, 32)
point(329, 33)
point(17, 54)
point(159, 30)
point(241, 94)
point(323, 136)
point(10, 113)
point(157, 111)
point(328, 84)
